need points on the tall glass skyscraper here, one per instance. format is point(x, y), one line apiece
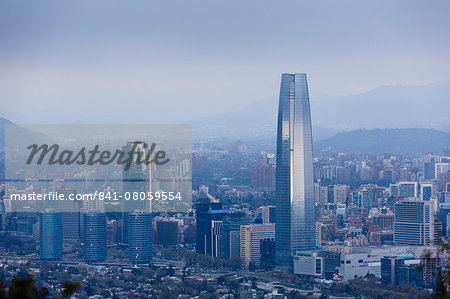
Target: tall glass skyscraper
point(140, 238)
point(136, 179)
point(295, 218)
point(94, 237)
point(50, 236)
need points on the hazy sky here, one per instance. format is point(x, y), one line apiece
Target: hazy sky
point(171, 61)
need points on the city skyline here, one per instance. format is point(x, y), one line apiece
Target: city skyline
point(366, 230)
point(224, 149)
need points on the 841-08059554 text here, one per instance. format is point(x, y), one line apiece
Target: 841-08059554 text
point(106, 196)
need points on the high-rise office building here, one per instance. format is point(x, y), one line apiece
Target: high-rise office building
point(216, 238)
point(231, 234)
point(446, 196)
point(390, 269)
point(166, 233)
point(404, 189)
point(137, 177)
point(267, 214)
point(25, 218)
point(50, 236)
point(395, 189)
point(429, 170)
point(367, 197)
point(384, 218)
point(71, 217)
point(441, 167)
point(2, 209)
point(135, 180)
point(426, 191)
point(330, 194)
point(295, 216)
point(429, 268)
point(204, 205)
point(251, 236)
point(140, 237)
point(214, 225)
point(443, 216)
point(413, 222)
point(71, 225)
point(267, 250)
point(94, 235)
point(411, 274)
point(407, 189)
point(340, 193)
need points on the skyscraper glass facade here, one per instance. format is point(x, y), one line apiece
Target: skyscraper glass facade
point(295, 217)
point(140, 238)
point(50, 236)
point(203, 221)
point(231, 234)
point(94, 237)
point(136, 179)
point(413, 222)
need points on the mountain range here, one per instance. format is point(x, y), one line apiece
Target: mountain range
point(357, 123)
point(411, 106)
point(381, 141)
point(408, 141)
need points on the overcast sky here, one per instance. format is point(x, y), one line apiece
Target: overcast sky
point(171, 61)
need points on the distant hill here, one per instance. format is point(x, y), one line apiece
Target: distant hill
point(411, 106)
point(28, 136)
point(408, 106)
point(380, 141)
point(257, 121)
point(400, 106)
point(3, 122)
point(23, 132)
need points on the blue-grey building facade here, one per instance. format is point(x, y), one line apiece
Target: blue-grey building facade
point(295, 216)
point(413, 222)
point(135, 180)
point(94, 235)
point(50, 236)
point(140, 237)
